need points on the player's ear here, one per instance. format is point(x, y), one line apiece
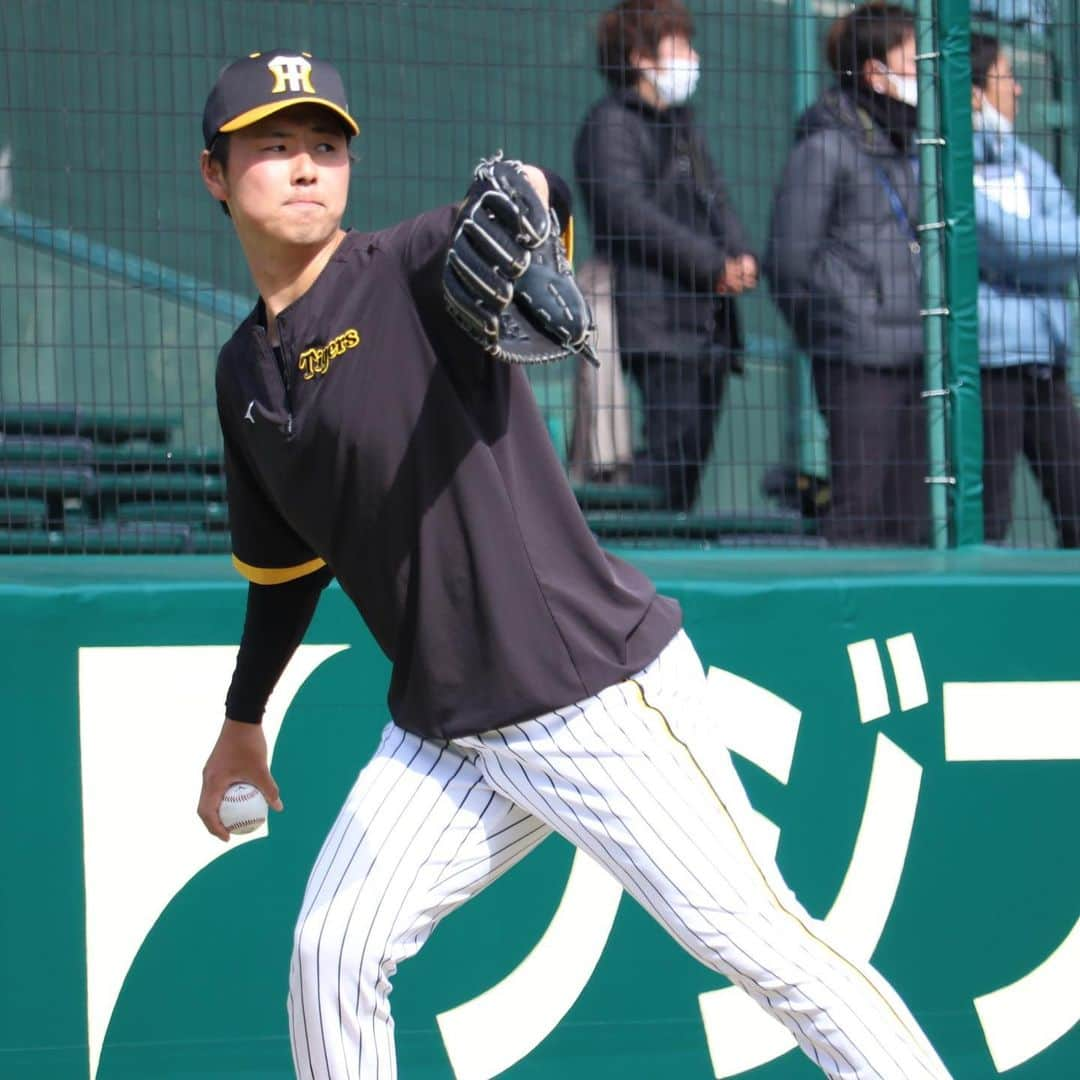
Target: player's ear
point(213, 174)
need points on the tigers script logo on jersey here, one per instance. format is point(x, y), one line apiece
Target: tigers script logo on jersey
point(316, 360)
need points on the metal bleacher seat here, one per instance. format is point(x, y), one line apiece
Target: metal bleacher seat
point(77, 480)
point(77, 421)
point(23, 513)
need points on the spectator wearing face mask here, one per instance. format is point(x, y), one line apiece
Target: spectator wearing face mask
point(1029, 251)
point(661, 216)
point(843, 267)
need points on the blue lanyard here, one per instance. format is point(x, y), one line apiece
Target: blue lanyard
point(899, 211)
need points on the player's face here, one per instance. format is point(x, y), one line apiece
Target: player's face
point(287, 177)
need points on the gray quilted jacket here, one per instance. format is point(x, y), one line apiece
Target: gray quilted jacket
point(841, 263)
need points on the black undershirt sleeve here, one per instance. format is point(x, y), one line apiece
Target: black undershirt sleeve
point(560, 197)
point(275, 623)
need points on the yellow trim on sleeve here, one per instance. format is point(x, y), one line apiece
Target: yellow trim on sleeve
point(277, 576)
point(568, 240)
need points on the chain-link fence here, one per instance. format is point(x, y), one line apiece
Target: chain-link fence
point(806, 231)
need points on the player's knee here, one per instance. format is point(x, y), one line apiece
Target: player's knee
point(317, 935)
point(338, 938)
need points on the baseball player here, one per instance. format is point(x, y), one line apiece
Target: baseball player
point(377, 431)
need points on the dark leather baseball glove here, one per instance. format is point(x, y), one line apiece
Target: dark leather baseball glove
point(507, 280)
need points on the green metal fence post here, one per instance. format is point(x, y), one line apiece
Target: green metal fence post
point(1065, 39)
point(935, 309)
point(803, 56)
point(1064, 35)
point(803, 49)
point(961, 268)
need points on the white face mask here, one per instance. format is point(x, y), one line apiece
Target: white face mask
point(905, 88)
point(676, 81)
point(989, 119)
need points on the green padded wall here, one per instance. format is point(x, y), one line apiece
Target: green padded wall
point(908, 723)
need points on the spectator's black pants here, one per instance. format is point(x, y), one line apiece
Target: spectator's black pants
point(1029, 409)
point(877, 453)
point(681, 402)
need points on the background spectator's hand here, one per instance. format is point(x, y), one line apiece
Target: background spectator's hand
point(740, 274)
point(749, 271)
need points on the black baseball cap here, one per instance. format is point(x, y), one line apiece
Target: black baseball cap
point(263, 83)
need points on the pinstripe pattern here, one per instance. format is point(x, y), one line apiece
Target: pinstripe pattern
point(627, 776)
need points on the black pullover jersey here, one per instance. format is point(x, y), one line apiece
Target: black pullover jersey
point(389, 448)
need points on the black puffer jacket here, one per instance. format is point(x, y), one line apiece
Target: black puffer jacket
point(840, 261)
point(660, 213)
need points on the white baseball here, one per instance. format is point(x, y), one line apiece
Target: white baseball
point(243, 808)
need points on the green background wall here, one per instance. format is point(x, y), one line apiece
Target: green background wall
point(101, 108)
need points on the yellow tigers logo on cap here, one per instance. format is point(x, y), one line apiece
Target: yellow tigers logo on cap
point(292, 74)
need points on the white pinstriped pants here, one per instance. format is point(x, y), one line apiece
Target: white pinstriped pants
point(628, 777)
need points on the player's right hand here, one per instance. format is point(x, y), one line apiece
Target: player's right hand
point(239, 755)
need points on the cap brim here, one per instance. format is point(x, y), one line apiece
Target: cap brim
point(253, 116)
